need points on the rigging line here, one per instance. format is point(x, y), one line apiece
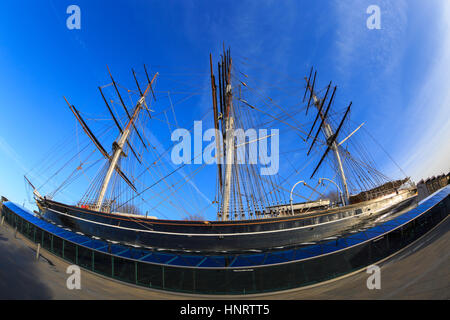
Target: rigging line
point(106, 85)
point(369, 165)
point(173, 111)
point(92, 183)
point(166, 122)
point(177, 102)
point(362, 164)
point(133, 91)
point(181, 92)
point(104, 119)
point(203, 210)
point(119, 120)
point(59, 170)
point(57, 146)
point(66, 182)
point(170, 130)
point(97, 177)
point(76, 127)
point(238, 172)
point(293, 113)
point(185, 181)
point(155, 151)
point(284, 90)
point(70, 181)
point(291, 151)
point(166, 189)
point(52, 162)
point(161, 179)
point(150, 171)
point(272, 196)
point(280, 187)
point(268, 114)
point(185, 84)
point(173, 144)
point(95, 140)
point(403, 172)
point(271, 101)
point(272, 69)
point(160, 194)
point(124, 106)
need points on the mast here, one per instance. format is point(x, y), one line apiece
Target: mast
point(329, 134)
point(229, 133)
point(216, 123)
point(118, 145)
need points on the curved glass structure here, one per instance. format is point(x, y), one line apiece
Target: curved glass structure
point(234, 273)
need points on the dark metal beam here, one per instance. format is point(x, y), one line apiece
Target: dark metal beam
point(110, 110)
point(216, 122)
point(117, 123)
point(126, 110)
point(312, 91)
point(332, 140)
point(137, 83)
point(323, 120)
point(148, 79)
point(307, 84)
point(97, 143)
point(320, 110)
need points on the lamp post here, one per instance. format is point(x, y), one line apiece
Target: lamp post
point(290, 197)
point(339, 189)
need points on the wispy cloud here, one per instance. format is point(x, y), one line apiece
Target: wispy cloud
point(20, 167)
point(427, 150)
point(419, 129)
point(13, 155)
point(377, 52)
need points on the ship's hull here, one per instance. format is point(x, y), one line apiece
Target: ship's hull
point(213, 236)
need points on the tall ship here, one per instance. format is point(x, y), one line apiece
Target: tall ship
point(254, 207)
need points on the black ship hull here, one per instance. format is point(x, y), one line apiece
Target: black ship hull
point(214, 236)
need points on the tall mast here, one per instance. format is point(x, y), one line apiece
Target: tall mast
point(229, 137)
point(119, 143)
point(216, 123)
point(329, 134)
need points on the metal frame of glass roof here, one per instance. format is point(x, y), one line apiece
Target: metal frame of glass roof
point(233, 261)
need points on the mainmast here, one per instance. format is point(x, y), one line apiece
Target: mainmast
point(223, 111)
point(119, 143)
point(229, 137)
point(327, 129)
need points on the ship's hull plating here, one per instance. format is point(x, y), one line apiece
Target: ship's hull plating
point(218, 235)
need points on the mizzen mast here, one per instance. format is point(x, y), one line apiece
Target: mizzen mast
point(327, 129)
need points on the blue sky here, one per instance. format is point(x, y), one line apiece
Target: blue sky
point(396, 76)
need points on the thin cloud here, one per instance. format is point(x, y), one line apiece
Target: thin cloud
point(427, 151)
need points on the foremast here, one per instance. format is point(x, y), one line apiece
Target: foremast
point(119, 144)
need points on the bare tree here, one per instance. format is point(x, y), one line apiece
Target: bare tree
point(194, 217)
point(333, 196)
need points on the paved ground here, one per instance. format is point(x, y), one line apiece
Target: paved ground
point(421, 271)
